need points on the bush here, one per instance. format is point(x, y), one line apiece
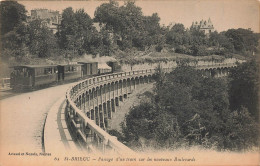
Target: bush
point(188, 109)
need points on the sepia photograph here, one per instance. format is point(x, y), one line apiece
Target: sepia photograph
point(129, 82)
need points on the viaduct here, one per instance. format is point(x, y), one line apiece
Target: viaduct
point(90, 104)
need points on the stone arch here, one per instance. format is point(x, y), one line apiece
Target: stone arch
point(145, 79)
point(141, 79)
point(112, 86)
point(83, 98)
point(79, 102)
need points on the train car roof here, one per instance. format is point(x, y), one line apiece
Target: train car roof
point(33, 66)
point(69, 64)
point(86, 62)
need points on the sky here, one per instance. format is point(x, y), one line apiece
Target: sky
point(224, 14)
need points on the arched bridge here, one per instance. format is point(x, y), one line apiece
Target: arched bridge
point(90, 105)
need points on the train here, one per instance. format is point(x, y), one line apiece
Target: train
point(29, 77)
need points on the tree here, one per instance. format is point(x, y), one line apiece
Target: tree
point(13, 30)
point(108, 14)
point(67, 29)
point(77, 33)
point(14, 43)
point(176, 34)
point(12, 14)
point(244, 87)
point(153, 34)
point(198, 37)
point(199, 50)
point(128, 23)
point(41, 39)
point(189, 109)
point(107, 45)
point(243, 39)
point(220, 42)
point(242, 131)
point(139, 124)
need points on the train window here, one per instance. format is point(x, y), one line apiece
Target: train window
point(47, 70)
point(68, 68)
point(55, 70)
point(17, 72)
point(25, 74)
point(73, 68)
point(39, 71)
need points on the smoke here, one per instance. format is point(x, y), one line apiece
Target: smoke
point(100, 60)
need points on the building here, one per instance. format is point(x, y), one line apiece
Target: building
point(51, 19)
point(205, 26)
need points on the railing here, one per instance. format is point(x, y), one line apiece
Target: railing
point(220, 65)
point(90, 134)
point(86, 129)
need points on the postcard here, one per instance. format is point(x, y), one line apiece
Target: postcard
point(143, 82)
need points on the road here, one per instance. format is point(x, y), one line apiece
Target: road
point(6, 93)
point(23, 117)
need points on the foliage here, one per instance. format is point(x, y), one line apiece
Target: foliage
point(117, 134)
point(177, 35)
point(14, 43)
point(194, 42)
point(41, 40)
point(26, 40)
point(77, 32)
point(220, 42)
point(12, 14)
point(244, 87)
point(189, 109)
point(121, 28)
point(141, 122)
point(186, 108)
point(199, 50)
point(128, 23)
point(13, 30)
point(243, 39)
point(242, 131)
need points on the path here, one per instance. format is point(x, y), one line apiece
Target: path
point(23, 117)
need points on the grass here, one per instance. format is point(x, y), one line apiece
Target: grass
point(155, 57)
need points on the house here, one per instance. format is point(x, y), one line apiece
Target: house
point(205, 26)
point(51, 19)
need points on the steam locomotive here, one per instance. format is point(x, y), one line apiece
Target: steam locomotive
point(28, 77)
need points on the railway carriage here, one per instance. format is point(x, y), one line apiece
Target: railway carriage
point(89, 68)
point(31, 76)
point(69, 72)
point(26, 77)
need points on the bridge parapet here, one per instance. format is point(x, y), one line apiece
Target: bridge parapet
point(215, 66)
point(87, 121)
point(91, 103)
